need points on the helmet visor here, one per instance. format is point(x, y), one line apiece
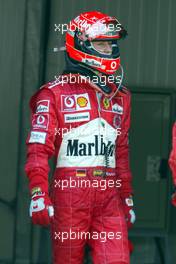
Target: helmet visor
point(111, 30)
point(103, 47)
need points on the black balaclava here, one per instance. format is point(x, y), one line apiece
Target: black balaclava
point(73, 66)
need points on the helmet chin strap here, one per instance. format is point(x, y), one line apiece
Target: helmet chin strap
point(120, 83)
point(75, 67)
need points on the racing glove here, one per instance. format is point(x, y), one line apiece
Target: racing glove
point(41, 209)
point(130, 216)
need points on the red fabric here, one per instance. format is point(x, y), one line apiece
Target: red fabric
point(172, 162)
point(93, 211)
point(172, 157)
point(82, 208)
point(131, 246)
point(123, 164)
point(174, 199)
point(37, 167)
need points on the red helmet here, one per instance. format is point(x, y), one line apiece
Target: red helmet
point(94, 26)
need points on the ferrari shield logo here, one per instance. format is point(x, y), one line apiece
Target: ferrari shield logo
point(106, 103)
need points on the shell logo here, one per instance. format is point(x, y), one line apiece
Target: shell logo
point(82, 101)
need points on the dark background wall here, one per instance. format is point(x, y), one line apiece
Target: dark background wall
point(27, 60)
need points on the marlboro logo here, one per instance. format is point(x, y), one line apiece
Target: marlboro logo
point(95, 148)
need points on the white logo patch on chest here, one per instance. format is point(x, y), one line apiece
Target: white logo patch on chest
point(88, 145)
point(77, 117)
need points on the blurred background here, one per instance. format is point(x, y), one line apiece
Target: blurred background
point(28, 37)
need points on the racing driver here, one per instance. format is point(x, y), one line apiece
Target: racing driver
point(82, 119)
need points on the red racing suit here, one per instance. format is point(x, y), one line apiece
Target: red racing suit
point(88, 135)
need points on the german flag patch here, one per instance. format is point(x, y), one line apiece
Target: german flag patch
point(81, 173)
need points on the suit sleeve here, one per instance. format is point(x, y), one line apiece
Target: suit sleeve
point(122, 151)
point(40, 141)
point(172, 157)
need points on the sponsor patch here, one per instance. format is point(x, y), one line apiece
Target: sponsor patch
point(77, 117)
point(129, 201)
point(110, 173)
point(100, 173)
point(40, 121)
point(118, 107)
point(42, 106)
point(75, 102)
point(37, 137)
point(76, 147)
point(106, 103)
point(82, 101)
point(117, 121)
point(81, 173)
point(91, 62)
point(88, 144)
point(36, 190)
